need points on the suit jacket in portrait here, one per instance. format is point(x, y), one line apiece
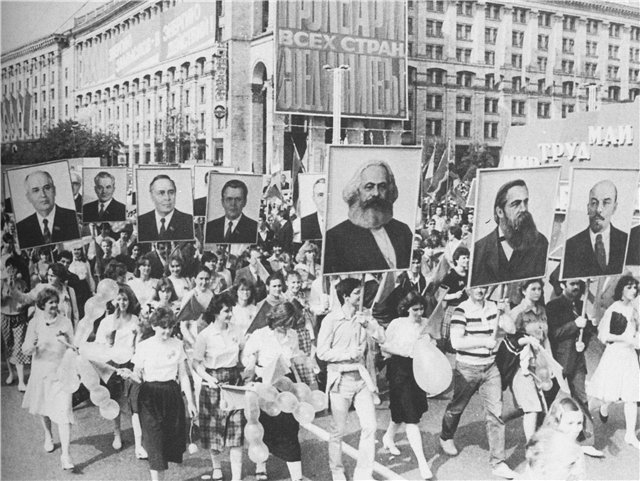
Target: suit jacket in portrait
point(200, 206)
point(490, 264)
point(245, 232)
point(351, 248)
point(633, 251)
point(65, 228)
point(310, 227)
point(580, 258)
point(115, 211)
point(180, 227)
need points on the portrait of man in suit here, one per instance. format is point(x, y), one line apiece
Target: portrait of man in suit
point(234, 227)
point(633, 251)
point(164, 222)
point(515, 249)
point(310, 224)
point(599, 249)
point(49, 223)
point(105, 208)
point(76, 186)
point(200, 203)
point(370, 239)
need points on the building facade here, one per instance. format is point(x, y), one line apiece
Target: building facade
point(182, 80)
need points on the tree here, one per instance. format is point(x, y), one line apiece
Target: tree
point(476, 157)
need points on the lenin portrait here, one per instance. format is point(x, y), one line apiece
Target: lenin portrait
point(513, 224)
point(48, 215)
point(105, 195)
point(598, 222)
point(379, 199)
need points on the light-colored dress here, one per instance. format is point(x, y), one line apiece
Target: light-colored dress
point(44, 394)
point(617, 377)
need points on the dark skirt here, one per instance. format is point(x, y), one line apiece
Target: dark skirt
point(220, 429)
point(407, 400)
point(14, 329)
point(162, 419)
point(118, 387)
point(281, 436)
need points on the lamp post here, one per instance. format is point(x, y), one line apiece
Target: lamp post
point(337, 99)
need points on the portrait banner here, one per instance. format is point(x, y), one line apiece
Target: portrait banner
point(372, 197)
point(165, 204)
point(104, 194)
point(233, 208)
point(598, 221)
point(313, 205)
point(201, 186)
point(512, 224)
point(43, 204)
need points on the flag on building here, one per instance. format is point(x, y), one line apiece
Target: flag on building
point(296, 167)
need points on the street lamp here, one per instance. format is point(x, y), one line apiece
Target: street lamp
point(337, 99)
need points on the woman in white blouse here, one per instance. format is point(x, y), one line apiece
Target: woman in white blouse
point(81, 268)
point(159, 361)
point(216, 359)
point(144, 286)
point(265, 346)
point(407, 400)
point(245, 309)
point(180, 283)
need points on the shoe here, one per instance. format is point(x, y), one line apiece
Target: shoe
point(632, 440)
point(67, 465)
point(141, 453)
point(593, 452)
point(425, 472)
point(261, 476)
point(48, 445)
point(9, 379)
point(216, 475)
point(22, 387)
point(390, 446)
point(603, 417)
point(504, 471)
point(117, 443)
point(448, 447)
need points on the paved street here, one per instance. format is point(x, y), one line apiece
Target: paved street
point(23, 457)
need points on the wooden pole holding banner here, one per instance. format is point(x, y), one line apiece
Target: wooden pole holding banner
point(584, 311)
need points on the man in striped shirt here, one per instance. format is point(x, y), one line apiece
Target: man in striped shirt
point(474, 326)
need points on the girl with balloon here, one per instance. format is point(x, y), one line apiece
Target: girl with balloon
point(406, 398)
point(265, 346)
point(216, 360)
point(45, 395)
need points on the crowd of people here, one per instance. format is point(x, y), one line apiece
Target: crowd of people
point(187, 320)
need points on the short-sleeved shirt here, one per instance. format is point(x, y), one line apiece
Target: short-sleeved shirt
point(159, 360)
point(479, 321)
point(455, 282)
point(267, 345)
point(217, 348)
point(531, 320)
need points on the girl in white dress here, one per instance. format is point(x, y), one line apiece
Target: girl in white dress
point(617, 377)
point(144, 286)
point(180, 283)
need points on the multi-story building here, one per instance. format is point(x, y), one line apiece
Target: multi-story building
point(195, 80)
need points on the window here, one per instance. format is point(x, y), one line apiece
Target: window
point(44, 78)
point(464, 8)
point(567, 66)
point(490, 35)
point(542, 64)
point(463, 55)
point(519, 15)
point(160, 104)
point(634, 54)
point(201, 120)
point(544, 19)
point(614, 30)
point(435, 76)
point(66, 73)
point(434, 52)
point(567, 109)
point(463, 128)
point(202, 96)
point(489, 57)
point(126, 109)
point(612, 72)
point(517, 38)
point(516, 84)
point(492, 11)
point(137, 130)
point(434, 28)
point(35, 115)
point(117, 112)
point(410, 49)
point(567, 45)
point(516, 60)
point(66, 92)
point(517, 107)
point(434, 102)
point(186, 98)
point(463, 31)
point(173, 100)
point(490, 81)
point(434, 127)
point(53, 113)
point(634, 33)
point(435, 5)
point(463, 79)
point(35, 97)
point(634, 74)
point(590, 69)
point(53, 94)
point(592, 26)
point(463, 104)
point(35, 81)
point(543, 42)
point(567, 88)
point(491, 130)
point(569, 23)
point(613, 93)
point(614, 52)
point(544, 110)
point(491, 106)
point(592, 48)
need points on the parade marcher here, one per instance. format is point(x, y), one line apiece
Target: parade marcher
point(617, 377)
point(407, 400)
point(143, 285)
point(275, 286)
point(218, 281)
point(245, 309)
point(413, 278)
point(565, 324)
point(193, 306)
point(14, 323)
point(473, 336)
point(165, 296)
point(158, 362)
point(45, 395)
point(342, 342)
point(216, 361)
point(265, 346)
point(180, 283)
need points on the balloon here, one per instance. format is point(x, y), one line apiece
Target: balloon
point(546, 385)
point(193, 448)
point(88, 374)
point(431, 369)
point(94, 308)
point(99, 395)
point(318, 400)
point(110, 409)
point(271, 409)
point(70, 383)
point(108, 289)
point(283, 384)
point(259, 453)
point(287, 402)
point(302, 391)
point(253, 432)
point(251, 407)
point(266, 392)
point(304, 413)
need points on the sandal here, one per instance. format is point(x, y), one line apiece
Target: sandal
point(261, 476)
point(216, 475)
